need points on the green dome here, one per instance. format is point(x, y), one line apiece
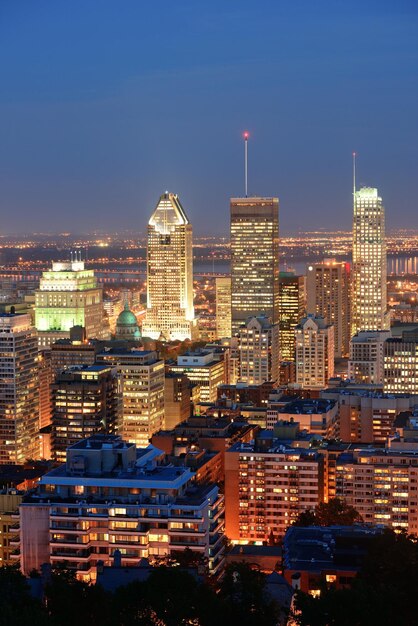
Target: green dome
point(126, 318)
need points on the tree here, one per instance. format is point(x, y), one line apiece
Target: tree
point(336, 512)
point(17, 606)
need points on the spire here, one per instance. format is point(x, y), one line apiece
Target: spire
point(354, 181)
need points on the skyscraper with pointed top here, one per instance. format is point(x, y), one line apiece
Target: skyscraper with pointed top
point(170, 312)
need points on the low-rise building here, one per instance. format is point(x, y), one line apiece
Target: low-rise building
point(203, 368)
point(316, 416)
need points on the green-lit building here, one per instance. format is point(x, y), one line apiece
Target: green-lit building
point(68, 296)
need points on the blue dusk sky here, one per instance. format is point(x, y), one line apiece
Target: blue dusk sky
point(106, 104)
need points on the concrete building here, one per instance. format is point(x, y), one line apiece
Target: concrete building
point(365, 364)
point(258, 345)
point(314, 352)
point(267, 487)
point(85, 401)
point(382, 486)
point(254, 259)
point(369, 304)
point(141, 377)
point(368, 416)
point(401, 363)
point(10, 500)
point(328, 285)
point(68, 296)
point(292, 308)
point(19, 396)
point(223, 306)
point(315, 416)
point(111, 496)
point(177, 399)
point(170, 312)
point(203, 368)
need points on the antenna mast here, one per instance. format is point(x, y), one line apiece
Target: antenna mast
point(354, 180)
point(246, 135)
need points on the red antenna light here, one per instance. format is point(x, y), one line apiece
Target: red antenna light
point(246, 134)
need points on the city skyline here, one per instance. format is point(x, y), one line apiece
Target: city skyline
point(82, 133)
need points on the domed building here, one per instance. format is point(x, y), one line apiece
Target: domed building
point(127, 328)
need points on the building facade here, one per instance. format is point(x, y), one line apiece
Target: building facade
point(223, 306)
point(328, 290)
point(258, 344)
point(204, 369)
point(401, 363)
point(292, 308)
point(170, 312)
point(141, 377)
point(314, 352)
point(85, 401)
point(19, 395)
point(254, 259)
point(369, 303)
point(110, 496)
point(366, 362)
point(68, 296)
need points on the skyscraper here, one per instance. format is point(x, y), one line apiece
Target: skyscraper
point(314, 352)
point(258, 343)
point(68, 296)
point(19, 398)
point(170, 311)
point(254, 259)
point(369, 304)
point(292, 297)
point(223, 306)
point(328, 295)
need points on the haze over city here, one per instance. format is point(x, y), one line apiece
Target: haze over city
point(102, 110)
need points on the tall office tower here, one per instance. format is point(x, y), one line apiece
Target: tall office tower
point(254, 259)
point(46, 378)
point(401, 363)
point(258, 344)
point(19, 398)
point(328, 295)
point(170, 311)
point(314, 352)
point(68, 296)
point(292, 307)
point(223, 306)
point(369, 304)
point(202, 368)
point(141, 375)
point(365, 364)
point(85, 401)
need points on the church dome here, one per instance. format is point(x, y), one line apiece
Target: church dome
point(127, 325)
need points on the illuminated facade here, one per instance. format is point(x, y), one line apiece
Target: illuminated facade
point(401, 364)
point(292, 307)
point(369, 303)
point(203, 369)
point(223, 306)
point(141, 375)
point(314, 352)
point(254, 259)
point(111, 496)
point(365, 364)
point(328, 294)
point(258, 345)
point(86, 401)
point(170, 312)
point(68, 296)
point(19, 396)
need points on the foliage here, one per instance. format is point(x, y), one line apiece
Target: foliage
point(336, 512)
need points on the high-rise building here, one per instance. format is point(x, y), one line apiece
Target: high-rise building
point(141, 374)
point(177, 399)
point(292, 299)
point(365, 364)
point(401, 363)
point(314, 352)
point(68, 296)
point(254, 259)
point(258, 344)
point(19, 397)
point(110, 496)
point(170, 312)
point(369, 303)
point(85, 401)
point(328, 295)
point(223, 306)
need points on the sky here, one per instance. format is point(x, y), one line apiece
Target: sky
point(105, 104)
